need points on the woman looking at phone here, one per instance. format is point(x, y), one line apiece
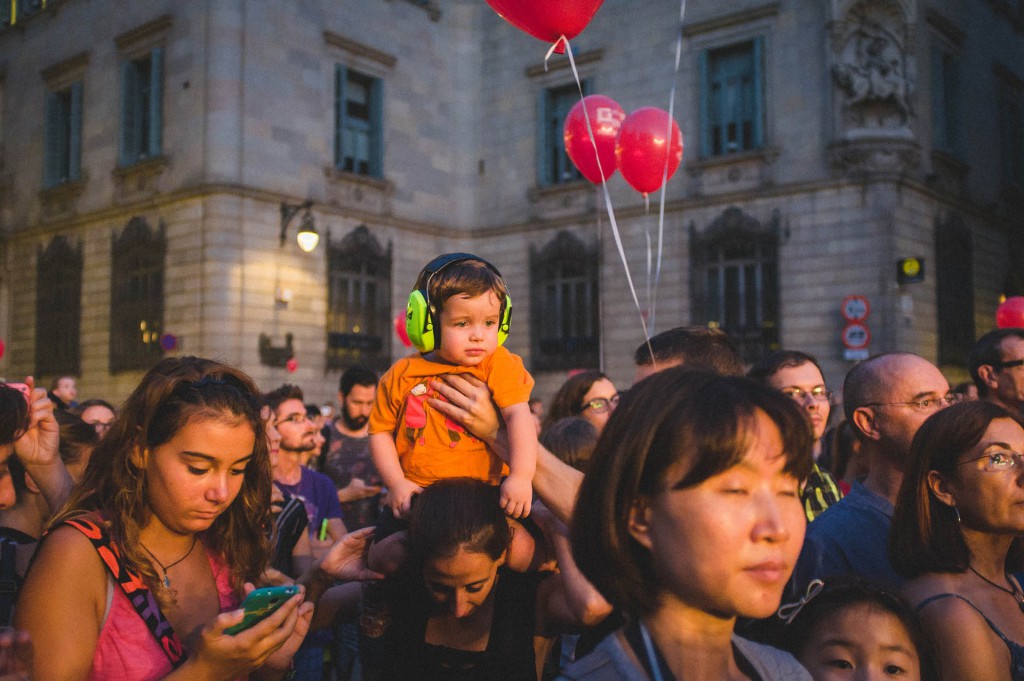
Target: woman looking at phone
point(143, 569)
point(688, 518)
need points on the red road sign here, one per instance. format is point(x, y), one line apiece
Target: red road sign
point(856, 336)
point(855, 308)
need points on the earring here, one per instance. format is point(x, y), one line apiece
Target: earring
point(957, 511)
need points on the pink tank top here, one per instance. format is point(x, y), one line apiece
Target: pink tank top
point(126, 649)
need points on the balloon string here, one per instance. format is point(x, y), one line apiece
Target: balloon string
point(604, 185)
point(664, 177)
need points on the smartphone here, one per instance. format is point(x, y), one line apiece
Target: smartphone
point(260, 604)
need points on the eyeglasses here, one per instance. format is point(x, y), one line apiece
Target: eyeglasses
point(294, 418)
point(600, 405)
point(1008, 365)
point(818, 393)
point(927, 404)
point(1000, 460)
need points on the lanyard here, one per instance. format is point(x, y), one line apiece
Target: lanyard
point(652, 656)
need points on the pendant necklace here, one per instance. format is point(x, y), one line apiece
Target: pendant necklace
point(1015, 591)
point(165, 568)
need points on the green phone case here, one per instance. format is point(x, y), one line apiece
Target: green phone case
point(260, 604)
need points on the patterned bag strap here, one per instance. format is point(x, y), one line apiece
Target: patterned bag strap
point(131, 584)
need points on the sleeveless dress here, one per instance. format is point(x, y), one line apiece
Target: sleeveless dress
point(127, 648)
point(1016, 650)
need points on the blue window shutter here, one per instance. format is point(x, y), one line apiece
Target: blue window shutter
point(128, 91)
point(543, 140)
point(156, 102)
point(51, 161)
point(759, 99)
point(75, 134)
point(705, 105)
point(377, 128)
point(340, 74)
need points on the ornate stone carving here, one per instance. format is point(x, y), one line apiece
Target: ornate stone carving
point(873, 67)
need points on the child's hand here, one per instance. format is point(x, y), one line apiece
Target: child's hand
point(516, 496)
point(400, 497)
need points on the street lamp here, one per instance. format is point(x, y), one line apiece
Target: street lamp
point(307, 235)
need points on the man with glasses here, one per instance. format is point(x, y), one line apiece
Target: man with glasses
point(298, 437)
point(886, 399)
point(996, 363)
point(797, 376)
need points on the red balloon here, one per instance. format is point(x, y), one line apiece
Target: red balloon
point(291, 365)
point(641, 149)
point(606, 118)
point(1010, 314)
point(548, 19)
point(400, 331)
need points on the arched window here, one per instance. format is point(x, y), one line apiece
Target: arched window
point(136, 296)
point(565, 318)
point(735, 283)
point(58, 308)
point(359, 302)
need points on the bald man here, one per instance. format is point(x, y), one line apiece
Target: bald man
point(886, 399)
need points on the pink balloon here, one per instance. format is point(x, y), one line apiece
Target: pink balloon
point(606, 118)
point(1, 348)
point(548, 19)
point(641, 149)
point(1010, 314)
point(291, 365)
point(400, 331)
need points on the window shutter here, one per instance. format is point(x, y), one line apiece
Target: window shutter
point(75, 134)
point(543, 140)
point(759, 101)
point(129, 89)
point(340, 73)
point(377, 128)
point(156, 102)
point(51, 164)
point(705, 105)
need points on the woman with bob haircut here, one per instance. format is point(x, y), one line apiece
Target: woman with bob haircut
point(956, 535)
point(144, 567)
point(688, 518)
point(588, 394)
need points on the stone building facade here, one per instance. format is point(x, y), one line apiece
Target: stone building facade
point(150, 153)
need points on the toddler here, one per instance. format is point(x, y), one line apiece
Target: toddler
point(458, 318)
point(854, 630)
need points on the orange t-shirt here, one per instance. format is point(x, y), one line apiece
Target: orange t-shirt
point(430, 446)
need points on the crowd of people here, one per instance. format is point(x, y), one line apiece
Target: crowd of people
point(714, 521)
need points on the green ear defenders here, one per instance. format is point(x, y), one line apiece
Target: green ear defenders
point(419, 312)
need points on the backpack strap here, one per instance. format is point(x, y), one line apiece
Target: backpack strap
point(130, 582)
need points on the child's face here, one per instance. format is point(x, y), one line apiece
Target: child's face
point(861, 643)
point(469, 329)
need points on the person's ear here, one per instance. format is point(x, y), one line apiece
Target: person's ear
point(639, 521)
point(941, 488)
point(987, 375)
point(138, 457)
point(501, 558)
point(31, 484)
point(866, 420)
